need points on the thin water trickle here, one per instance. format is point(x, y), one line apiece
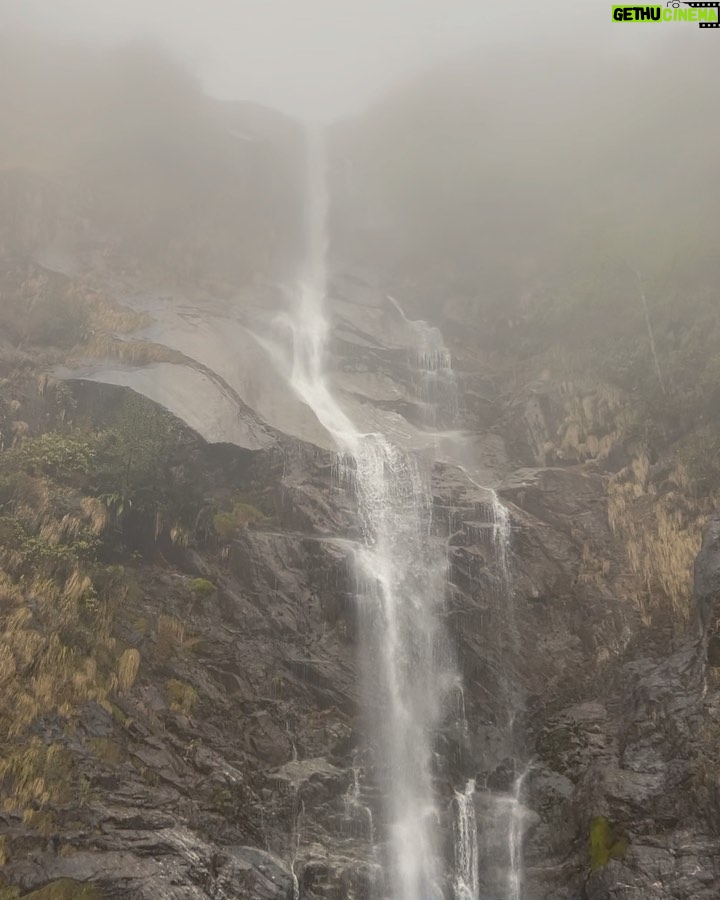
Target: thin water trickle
point(295, 846)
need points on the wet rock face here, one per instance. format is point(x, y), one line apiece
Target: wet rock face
point(618, 726)
point(235, 764)
point(171, 863)
point(627, 781)
point(707, 587)
point(228, 761)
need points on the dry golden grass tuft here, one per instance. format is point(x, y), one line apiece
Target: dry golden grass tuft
point(37, 774)
point(661, 533)
point(170, 636)
point(128, 668)
point(57, 651)
point(40, 504)
point(137, 353)
point(591, 422)
point(42, 668)
point(106, 316)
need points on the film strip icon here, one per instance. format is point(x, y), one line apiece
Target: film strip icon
point(714, 5)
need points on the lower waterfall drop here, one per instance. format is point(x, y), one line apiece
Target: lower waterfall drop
point(466, 883)
point(515, 837)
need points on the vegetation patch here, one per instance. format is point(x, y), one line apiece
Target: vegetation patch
point(228, 523)
point(172, 638)
point(607, 841)
point(33, 774)
point(65, 889)
point(183, 696)
point(107, 750)
point(660, 526)
point(128, 667)
point(202, 587)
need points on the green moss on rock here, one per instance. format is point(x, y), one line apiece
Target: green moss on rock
point(65, 889)
point(607, 841)
point(202, 587)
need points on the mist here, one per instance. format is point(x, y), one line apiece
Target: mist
point(320, 59)
point(359, 451)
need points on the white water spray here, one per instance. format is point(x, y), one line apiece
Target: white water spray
point(355, 809)
point(431, 364)
point(400, 579)
point(515, 836)
point(501, 528)
point(466, 883)
point(501, 538)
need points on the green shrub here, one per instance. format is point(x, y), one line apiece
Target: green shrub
point(202, 587)
point(225, 526)
point(59, 455)
point(245, 513)
point(228, 523)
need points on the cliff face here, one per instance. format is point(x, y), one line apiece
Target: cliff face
point(204, 736)
point(180, 681)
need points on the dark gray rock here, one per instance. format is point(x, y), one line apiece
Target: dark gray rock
point(707, 578)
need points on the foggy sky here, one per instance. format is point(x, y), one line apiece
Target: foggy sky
point(322, 57)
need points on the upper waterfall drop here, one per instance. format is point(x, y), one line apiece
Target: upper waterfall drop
point(400, 573)
point(309, 324)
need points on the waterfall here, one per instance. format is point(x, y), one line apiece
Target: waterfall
point(466, 883)
point(400, 574)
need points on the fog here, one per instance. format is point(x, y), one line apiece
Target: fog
point(487, 135)
point(322, 57)
point(359, 391)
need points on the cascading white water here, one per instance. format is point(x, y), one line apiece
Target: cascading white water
point(504, 815)
point(501, 528)
point(431, 365)
point(356, 810)
point(501, 538)
point(400, 578)
point(467, 883)
point(515, 836)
